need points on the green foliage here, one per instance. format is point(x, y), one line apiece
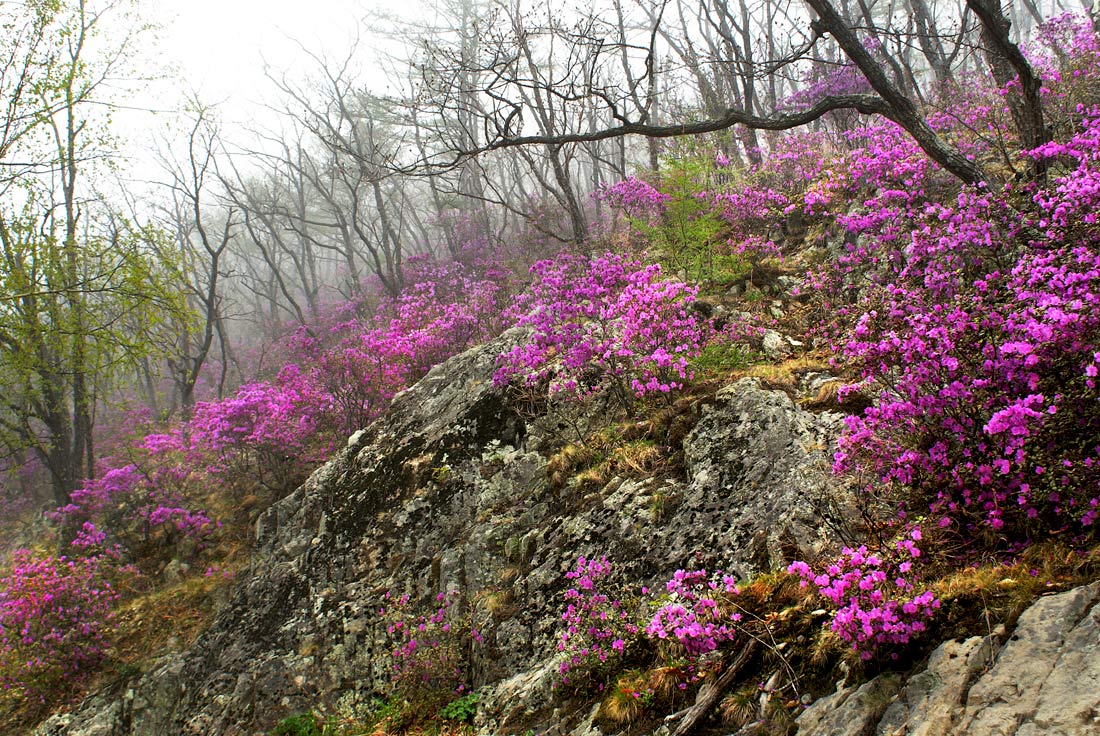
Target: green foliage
point(718, 358)
point(301, 724)
point(690, 238)
point(78, 318)
point(83, 292)
point(392, 714)
point(461, 710)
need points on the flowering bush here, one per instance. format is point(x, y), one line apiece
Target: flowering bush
point(604, 323)
point(365, 361)
point(427, 661)
point(981, 331)
point(142, 512)
point(636, 198)
point(1066, 53)
point(877, 606)
point(55, 617)
point(599, 627)
point(692, 614)
point(603, 624)
point(265, 431)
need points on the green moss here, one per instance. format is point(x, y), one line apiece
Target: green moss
point(301, 724)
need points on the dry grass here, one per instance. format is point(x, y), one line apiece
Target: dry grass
point(827, 397)
point(594, 478)
point(498, 604)
point(976, 599)
point(170, 614)
point(638, 459)
point(564, 464)
point(627, 700)
point(739, 707)
point(784, 376)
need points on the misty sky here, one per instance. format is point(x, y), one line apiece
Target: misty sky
point(218, 51)
point(221, 45)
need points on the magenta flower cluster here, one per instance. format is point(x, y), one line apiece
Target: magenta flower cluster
point(132, 507)
point(980, 336)
point(636, 198)
point(602, 623)
point(691, 614)
point(360, 363)
point(55, 618)
point(261, 430)
point(603, 322)
point(428, 652)
point(597, 626)
point(270, 433)
point(876, 605)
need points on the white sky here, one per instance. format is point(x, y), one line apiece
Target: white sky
point(221, 45)
point(218, 49)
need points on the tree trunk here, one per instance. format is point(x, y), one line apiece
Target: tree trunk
point(1008, 65)
point(904, 110)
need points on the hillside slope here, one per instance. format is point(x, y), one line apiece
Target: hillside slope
point(449, 491)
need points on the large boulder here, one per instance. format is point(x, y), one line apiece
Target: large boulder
point(447, 493)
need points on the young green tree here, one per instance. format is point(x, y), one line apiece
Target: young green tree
point(79, 290)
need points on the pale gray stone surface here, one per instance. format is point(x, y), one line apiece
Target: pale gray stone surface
point(1043, 681)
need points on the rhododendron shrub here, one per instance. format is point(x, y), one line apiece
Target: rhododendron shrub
point(429, 653)
point(149, 502)
point(606, 323)
point(267, 431)
point(981, 334)
point(362, 362)
point(694, 614)
point(600, 624)
point(876, 606)
point(990, 420)
point(136, 512)
point(751, 213)
point(605, 622)
point(720, 227)
point(1066, 52)
point(55, 619)
point(636, 198)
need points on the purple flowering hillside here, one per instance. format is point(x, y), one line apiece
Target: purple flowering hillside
point(765, 401)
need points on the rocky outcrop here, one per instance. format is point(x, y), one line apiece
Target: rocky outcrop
point(1044, 679)
point(450, 492)
point(447, 492)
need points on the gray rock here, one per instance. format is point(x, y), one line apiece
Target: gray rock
point(764, 466)
point(931, 701)
point(777, 346)
point(449, 492)
point(445, 493)
point(849, 711)
point(1044, 680)
point(788, 283)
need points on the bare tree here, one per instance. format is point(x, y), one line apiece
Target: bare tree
point(353, 176)
point(202, 231)
point(543, 86)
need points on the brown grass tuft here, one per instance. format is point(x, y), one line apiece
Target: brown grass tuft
point(637, 459)
point(739, 707)
point(627, 700)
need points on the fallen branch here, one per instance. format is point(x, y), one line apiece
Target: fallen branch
point(712, 691)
